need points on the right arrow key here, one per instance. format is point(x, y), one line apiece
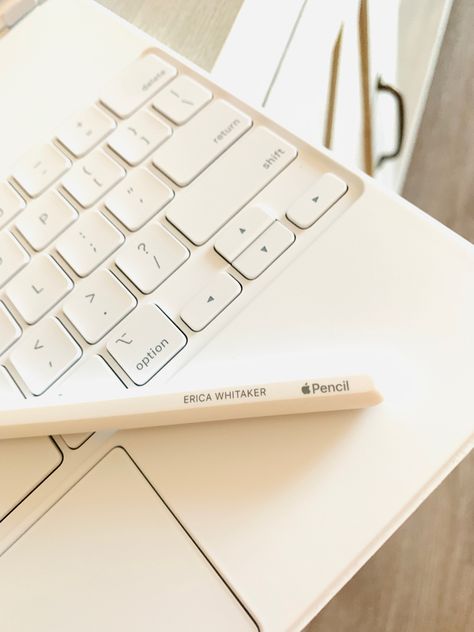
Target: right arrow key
point(314, 202)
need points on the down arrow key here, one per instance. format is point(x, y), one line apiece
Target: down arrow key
point(273, 243)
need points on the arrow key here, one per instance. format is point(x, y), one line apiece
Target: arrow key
point(264, 251)
point(98, 304)
point(211, 301)
point(44, 353)
point(241, 231)
point(314, 202)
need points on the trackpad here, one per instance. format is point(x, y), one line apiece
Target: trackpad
point(110, 556)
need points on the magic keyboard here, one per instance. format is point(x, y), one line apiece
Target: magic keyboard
point(146, 218)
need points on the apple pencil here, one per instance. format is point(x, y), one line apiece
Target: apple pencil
point(233, 402)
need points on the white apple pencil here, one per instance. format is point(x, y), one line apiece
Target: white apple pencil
point(233, 402)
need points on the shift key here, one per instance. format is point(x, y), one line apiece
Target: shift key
point(229, 184)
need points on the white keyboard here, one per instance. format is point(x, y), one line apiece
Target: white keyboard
point(148, 220)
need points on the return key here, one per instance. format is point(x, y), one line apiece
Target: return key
point(195, 146)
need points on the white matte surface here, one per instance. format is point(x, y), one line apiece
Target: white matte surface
point(24, 463)
point(149, 575)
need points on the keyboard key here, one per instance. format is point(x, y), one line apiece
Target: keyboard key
point(45, 218)
point(44, 354)
point(9, 391)
point(316, 200)
point(228, 185)
point(145, 342)
point(89, 242)
point(150, 257)
point(13, 257)
point(182, 99)
point(92, 177)
point(135, 200)
point(9, 329)
point(136, 84)
point(97, 305)
point(139, 136)
point(10, 203)
point(92, 378)
point(192, 148)
point(38, 288)
point(24, 464)
point(84, 131)
point(40, 168)
point(210, 302)
point(241, 231)
point(264, 251)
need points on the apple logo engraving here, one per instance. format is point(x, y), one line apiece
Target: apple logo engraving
point(305, 389)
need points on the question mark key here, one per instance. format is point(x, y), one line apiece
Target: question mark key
point(164, 254)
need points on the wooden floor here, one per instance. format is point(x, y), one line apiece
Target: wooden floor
point(422, 579)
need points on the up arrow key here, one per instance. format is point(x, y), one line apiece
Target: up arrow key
point(264, 249)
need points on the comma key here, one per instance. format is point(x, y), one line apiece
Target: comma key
point(145, 342)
